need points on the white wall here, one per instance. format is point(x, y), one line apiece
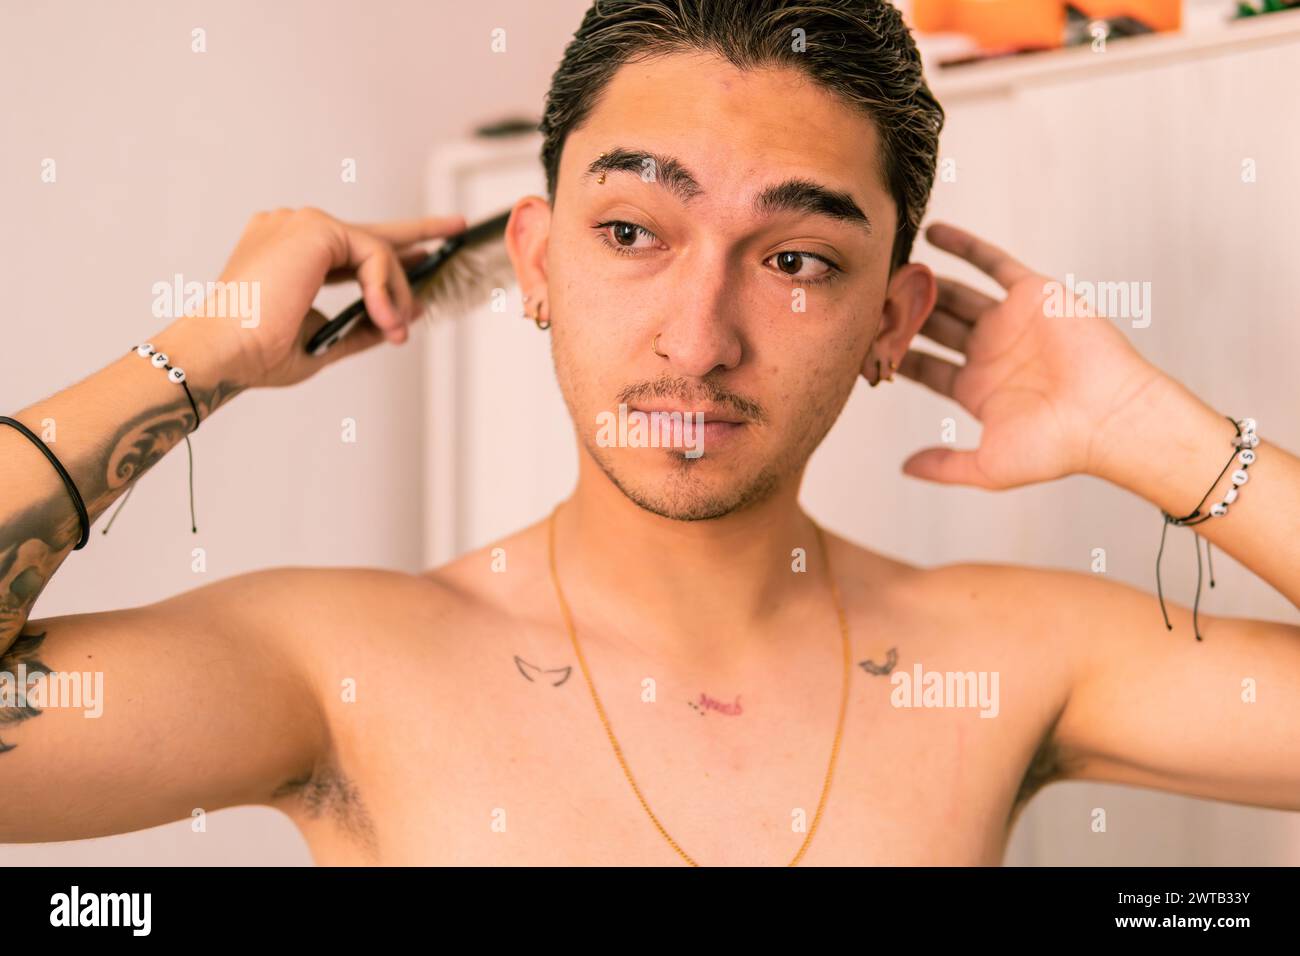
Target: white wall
point(162, 155)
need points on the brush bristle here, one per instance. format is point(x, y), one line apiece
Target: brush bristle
point(466, 282)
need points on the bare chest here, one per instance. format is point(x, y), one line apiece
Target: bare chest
point(511, 761)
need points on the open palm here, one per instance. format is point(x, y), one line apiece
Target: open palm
point(1044, 388)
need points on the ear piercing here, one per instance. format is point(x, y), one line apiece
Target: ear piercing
point(888, 378)
point(542, 324)
point(654, 346)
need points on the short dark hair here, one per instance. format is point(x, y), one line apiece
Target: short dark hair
point(860, 50)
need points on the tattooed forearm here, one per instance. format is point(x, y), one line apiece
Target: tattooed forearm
point(35, 540)
point(16, 665)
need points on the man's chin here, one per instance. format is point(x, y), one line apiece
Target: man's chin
point(690, 491)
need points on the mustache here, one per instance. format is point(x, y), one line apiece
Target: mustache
point(704, 391)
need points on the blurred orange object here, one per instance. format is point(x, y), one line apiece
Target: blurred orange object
point(1019, 24)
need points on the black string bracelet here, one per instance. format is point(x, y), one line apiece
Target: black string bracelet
point(63, 473)
point(1245, 445)
point(177, 375)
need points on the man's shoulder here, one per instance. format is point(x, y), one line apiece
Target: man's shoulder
point(318, 606)
point(300, 588)
point(993, 583)
point(995, 598)
point(1070, 596)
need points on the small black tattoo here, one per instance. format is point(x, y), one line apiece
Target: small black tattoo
point(871, 667)
point(528, 670)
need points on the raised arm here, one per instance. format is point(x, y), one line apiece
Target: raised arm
point(1217, 717)
point(111, 427)
point(204, 698)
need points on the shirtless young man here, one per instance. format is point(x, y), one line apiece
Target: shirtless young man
point(719, 665)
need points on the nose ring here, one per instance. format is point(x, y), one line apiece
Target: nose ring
point(654, 346)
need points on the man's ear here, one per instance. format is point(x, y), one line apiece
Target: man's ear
point(909, 300)
point(526, 236)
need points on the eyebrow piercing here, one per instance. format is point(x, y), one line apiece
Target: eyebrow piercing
point(601, 180)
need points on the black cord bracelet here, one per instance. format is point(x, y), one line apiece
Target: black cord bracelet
point(63, 473)
point(1245, 455)
point(174, 373)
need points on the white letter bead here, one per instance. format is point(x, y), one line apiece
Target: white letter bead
point(1239, 476)
point(177, 375)
point(159, 359)
point(1246, 456)
point(1252, 440)
point(1248, 425)
point(143, 350)
point(1230, 497)
point(1219, 510)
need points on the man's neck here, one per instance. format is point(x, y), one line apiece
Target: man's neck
point(686, 592)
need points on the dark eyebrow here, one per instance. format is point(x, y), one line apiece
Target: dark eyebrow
point(810, 198)
point(794, 195)
point(668, 172)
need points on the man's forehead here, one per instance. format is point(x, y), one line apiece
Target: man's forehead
point(714, 124)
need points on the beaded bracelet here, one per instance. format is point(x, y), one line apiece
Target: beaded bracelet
point(1245, 441)
point(176, 374)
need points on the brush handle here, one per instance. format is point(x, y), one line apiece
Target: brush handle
point(343, 323)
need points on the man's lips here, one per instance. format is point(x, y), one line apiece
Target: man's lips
point(688, 414)
point(719, 427)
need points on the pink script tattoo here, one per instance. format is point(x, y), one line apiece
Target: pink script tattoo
point(707, 703)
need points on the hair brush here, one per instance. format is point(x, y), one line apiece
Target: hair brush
point(451, 280)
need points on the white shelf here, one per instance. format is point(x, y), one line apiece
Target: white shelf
point(1235, 36)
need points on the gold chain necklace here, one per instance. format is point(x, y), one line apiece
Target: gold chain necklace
point(609, 732)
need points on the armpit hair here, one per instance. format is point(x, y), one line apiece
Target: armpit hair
point(1048, 764)
point(326, 791)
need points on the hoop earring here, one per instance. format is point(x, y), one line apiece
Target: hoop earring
point(542, 324)
point(654, 346)
point(887, 378)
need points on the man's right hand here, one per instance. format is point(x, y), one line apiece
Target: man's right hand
point(291, 254)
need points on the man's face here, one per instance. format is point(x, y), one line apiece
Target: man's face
point(764, 286)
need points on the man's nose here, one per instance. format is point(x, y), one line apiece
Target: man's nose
point(702, 330)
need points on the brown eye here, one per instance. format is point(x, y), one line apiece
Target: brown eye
point(792, 264)
point(622, 237)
